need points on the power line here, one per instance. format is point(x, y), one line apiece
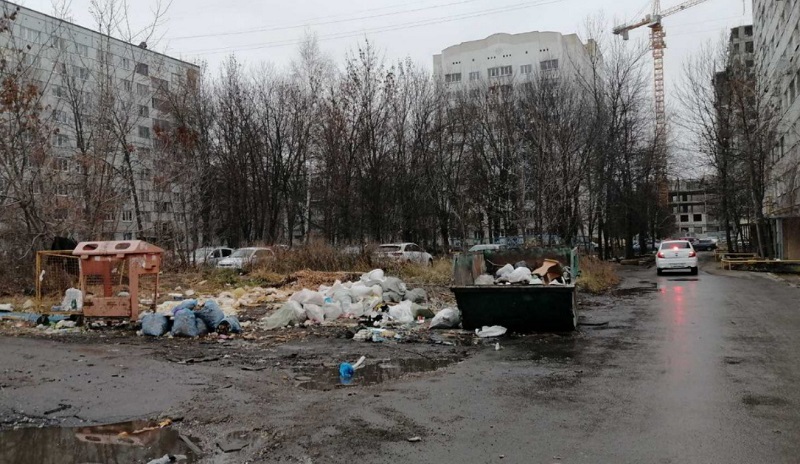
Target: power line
point(408, 25)
point(321, 23)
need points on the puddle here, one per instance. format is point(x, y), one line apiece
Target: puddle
point(634, 291)
point(123, 442)
point(549, 349)
point(326, 378)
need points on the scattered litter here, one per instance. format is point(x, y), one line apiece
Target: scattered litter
point(66, 324)
point(414, 439)
point(229, 325)
point(27, 305)
point(168, 458)
point(489, 332)
point(497, 346)
point(73, 300)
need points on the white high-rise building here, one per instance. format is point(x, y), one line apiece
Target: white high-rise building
point(107, 99)
point(777, 58)
point(511, 55)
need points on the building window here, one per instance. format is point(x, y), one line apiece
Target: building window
point(474, 75)
point(455, 77)
point(62, 164)
point(748, 47)
point(61, 189)
point(160, 85)
point(60, 140)
point(142, 89)
point(59, 91)
point(108, 216)
point(144, 111)
point(735, 33)
point(82, 50)
point(30, 35)
point(59, 43)
point(697, 217)
point(736, 48)
point(80, 72)
point(160, 105)
point(144, 132)
point(60, 116)
point(125, 63)
point(526, 69)
point(748, 31)
point(143, 69)
point(127, 216)
point(127, 85)
point(500, 71)
point(548, 65)
point(684, 218)
point(164, 206)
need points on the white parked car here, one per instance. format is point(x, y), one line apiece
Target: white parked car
point(210, 255)
point(676, 254)
point(406, 252)
point(246, 257)
point(488, 247)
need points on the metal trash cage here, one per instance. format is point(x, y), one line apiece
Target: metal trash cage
point(56, 271)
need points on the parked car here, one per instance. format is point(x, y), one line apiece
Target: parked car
point(705, 244)
point(246, 257)
point(488, 247)
point(406, 252)
point(211, 255)
point(676, 254)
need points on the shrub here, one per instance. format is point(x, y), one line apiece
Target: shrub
point(597, 276)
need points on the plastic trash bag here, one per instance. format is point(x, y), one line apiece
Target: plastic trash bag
point(416, 295)
point(355, 309)
point(393, 284)
point(360, 291)
point(73, 300)
point(332, 311)
point(184, 324)
point(185, 304)
point(402, 312)
point(520, 275)
point(447, 318)
point(155, 325)
point(288, 314)
point(308, 296)
point(375, 274)
point(343, 296)
point(211, 314)
point(314, 313)
point(507, 269)
point(229, 325)
point(493, 331)
point(202, 327)
point(392, 297)
point(484, 279)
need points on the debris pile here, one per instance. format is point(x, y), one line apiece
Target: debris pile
point(231, 302)
point(375, 300)
point(190, 318)
point(551, 272)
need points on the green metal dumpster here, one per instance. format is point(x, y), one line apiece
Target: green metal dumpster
point(519, 308)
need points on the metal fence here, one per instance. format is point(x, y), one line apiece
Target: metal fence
point(56, 271)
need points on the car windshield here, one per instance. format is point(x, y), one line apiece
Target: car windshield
point(388, 248)
point(675, 245)
point(243, 253)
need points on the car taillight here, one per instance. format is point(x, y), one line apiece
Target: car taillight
point(660, 254)
point(692, 254)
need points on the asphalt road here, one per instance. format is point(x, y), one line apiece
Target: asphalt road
point(673, 369)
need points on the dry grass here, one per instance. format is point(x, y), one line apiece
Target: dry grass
point(440, 273)
point(317, 256)
point(597, 276)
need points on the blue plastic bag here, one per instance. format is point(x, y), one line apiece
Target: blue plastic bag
point(185, 304)
point(202, 328)
point(211, 314)
point(155, 325)
point(184, 324)
point(229, 325)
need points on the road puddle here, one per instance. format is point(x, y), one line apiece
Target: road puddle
point(327, 378)
point(129, 442)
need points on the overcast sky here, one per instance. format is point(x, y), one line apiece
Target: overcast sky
point(269, 30)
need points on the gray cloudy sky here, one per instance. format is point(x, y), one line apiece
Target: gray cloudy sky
point(268, 30)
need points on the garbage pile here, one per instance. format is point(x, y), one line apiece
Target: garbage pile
point(190, 318)
point(551, 272)
point(375, 300)
point(231, 302)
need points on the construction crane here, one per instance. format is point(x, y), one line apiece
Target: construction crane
point(653, 21)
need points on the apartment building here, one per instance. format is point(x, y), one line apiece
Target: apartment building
point(692, 203)
point(777, 59)
point(507, 56)
point(107, 99)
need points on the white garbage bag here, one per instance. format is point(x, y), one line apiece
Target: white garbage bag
point(489, 332)
point(73, 300)
point(332, 311)
point(402, 312)
point(375, 274)
point(314, 312)
point(507, 269)
point(308, 296)
point(520, 275)
point(447, 318)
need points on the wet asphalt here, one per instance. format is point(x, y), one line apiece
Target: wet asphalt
point(687, 370)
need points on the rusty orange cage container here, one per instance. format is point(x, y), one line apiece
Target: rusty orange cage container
point(112, 274)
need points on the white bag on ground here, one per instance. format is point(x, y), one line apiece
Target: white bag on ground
point(314, 312)
point(493, 331)
point(375, 274)
point(332, 311)
point(355, 309)
point(308, 296)
point(70, 296)
point(288, 314)
point(447, 318)
point(507, 269)
point(520, 275)
point(402, 312)
point(359, 291)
